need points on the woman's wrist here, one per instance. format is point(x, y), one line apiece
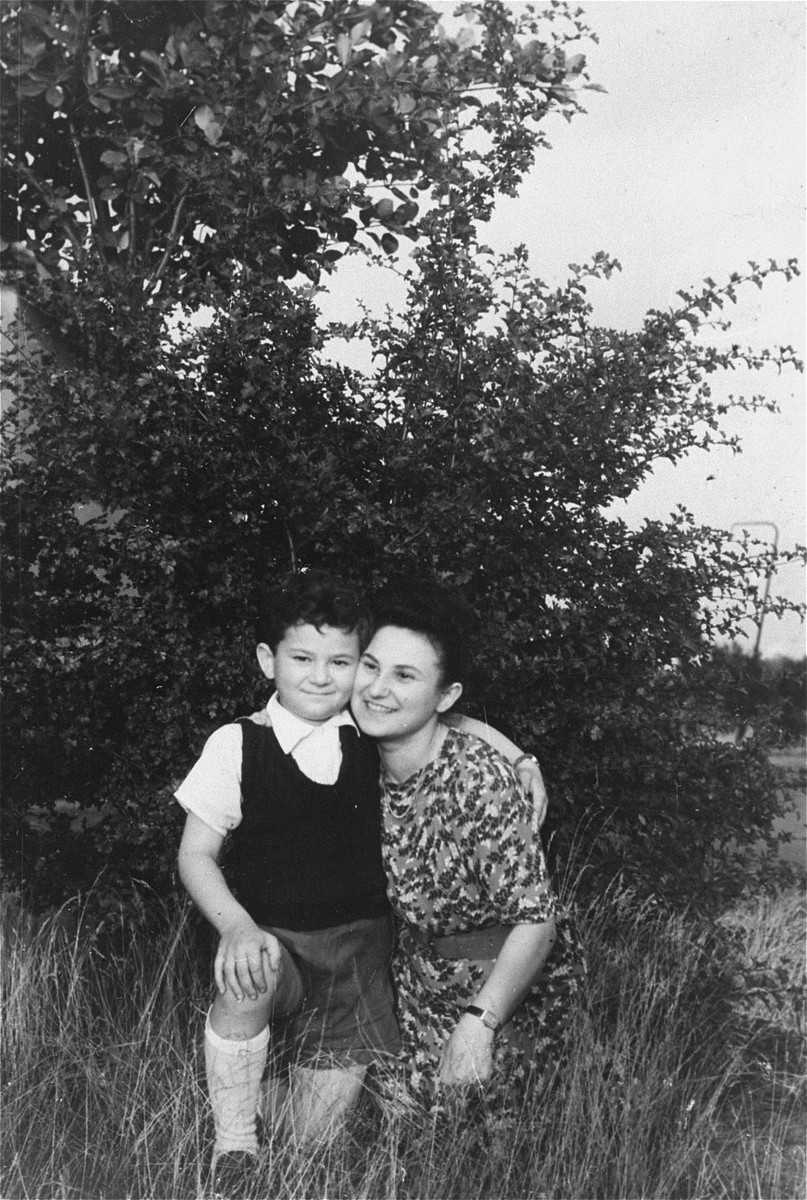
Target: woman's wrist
point(470, 1029)
point(485, 1016)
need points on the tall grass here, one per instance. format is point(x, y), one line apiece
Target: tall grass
point(683, 1076)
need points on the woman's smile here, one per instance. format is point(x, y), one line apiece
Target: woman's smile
point(399, 687)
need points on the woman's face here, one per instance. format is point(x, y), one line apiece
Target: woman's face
point(398, 688)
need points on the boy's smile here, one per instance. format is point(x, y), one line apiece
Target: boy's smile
point(313, 670)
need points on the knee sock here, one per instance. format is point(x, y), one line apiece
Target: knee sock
point(234, 1070)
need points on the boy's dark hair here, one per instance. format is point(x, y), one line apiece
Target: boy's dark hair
point(310, 598)
point(441, 613)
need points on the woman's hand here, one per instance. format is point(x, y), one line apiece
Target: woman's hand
point(247, 960)
point(467, 1058)
point(532, 781)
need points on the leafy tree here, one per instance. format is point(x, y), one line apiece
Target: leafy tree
point(170, 156)
point(162, 143)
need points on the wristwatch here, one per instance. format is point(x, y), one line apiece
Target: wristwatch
point(485, 1016)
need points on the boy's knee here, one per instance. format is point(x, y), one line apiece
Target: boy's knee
point(282, 999)
point(239, 1019)
point(320, 1100)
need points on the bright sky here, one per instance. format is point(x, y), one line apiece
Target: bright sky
point(690, 165)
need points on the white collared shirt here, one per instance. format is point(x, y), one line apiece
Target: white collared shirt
point(212, 788)
point(315, 748)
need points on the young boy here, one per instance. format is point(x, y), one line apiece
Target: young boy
point(305, 929)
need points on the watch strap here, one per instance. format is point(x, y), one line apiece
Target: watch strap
point(485, 1016)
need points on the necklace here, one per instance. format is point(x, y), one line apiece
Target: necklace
point(401, 798)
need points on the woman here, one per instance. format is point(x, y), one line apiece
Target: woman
point(466, 871)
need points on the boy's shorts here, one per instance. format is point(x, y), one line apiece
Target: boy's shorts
point(335, 993)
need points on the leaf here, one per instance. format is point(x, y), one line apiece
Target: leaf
point(389, 244)
point(405, 104)
point(392, 63)
point(30, 87)
point(118, 89)
point(156, 65)
point(114, 158)
point(466, 38)
point(343, 49)
point(205, 118)
point(361, 31)
point(407, 212)
point(33, 49)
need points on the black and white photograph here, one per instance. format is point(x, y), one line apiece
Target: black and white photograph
point(404, 706)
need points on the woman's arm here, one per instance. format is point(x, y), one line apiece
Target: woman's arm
point(528, 771)
point(239, 962)
point(468, 1054)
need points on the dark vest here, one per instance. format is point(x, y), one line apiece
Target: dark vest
point(307, 855)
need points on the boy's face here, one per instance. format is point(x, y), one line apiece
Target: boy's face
point(313, 670)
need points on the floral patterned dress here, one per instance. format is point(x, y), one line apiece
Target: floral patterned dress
point(462, 851)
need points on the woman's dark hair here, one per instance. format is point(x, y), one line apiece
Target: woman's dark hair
point(437, 611)
point(310, 598)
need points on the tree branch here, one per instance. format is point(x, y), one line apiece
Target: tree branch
point(132, 230)
point(96, 219)
point(91, 202)
point(172, 236)
point(291, 548)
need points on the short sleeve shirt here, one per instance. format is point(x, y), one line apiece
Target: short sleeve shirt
point(461, 843)
point(212, 788)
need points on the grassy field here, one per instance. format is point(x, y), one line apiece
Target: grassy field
point(684, 1075)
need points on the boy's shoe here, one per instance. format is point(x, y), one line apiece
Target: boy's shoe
point(233, 1173)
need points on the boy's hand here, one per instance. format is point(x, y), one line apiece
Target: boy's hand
point(532, 781)
point(245, 960)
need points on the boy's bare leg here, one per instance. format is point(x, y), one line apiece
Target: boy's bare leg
point(319, 1101)
point(236, 1044)
point(239, 1020)
point(272, 1101)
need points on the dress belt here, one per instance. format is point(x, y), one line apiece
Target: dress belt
point(472, 943)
